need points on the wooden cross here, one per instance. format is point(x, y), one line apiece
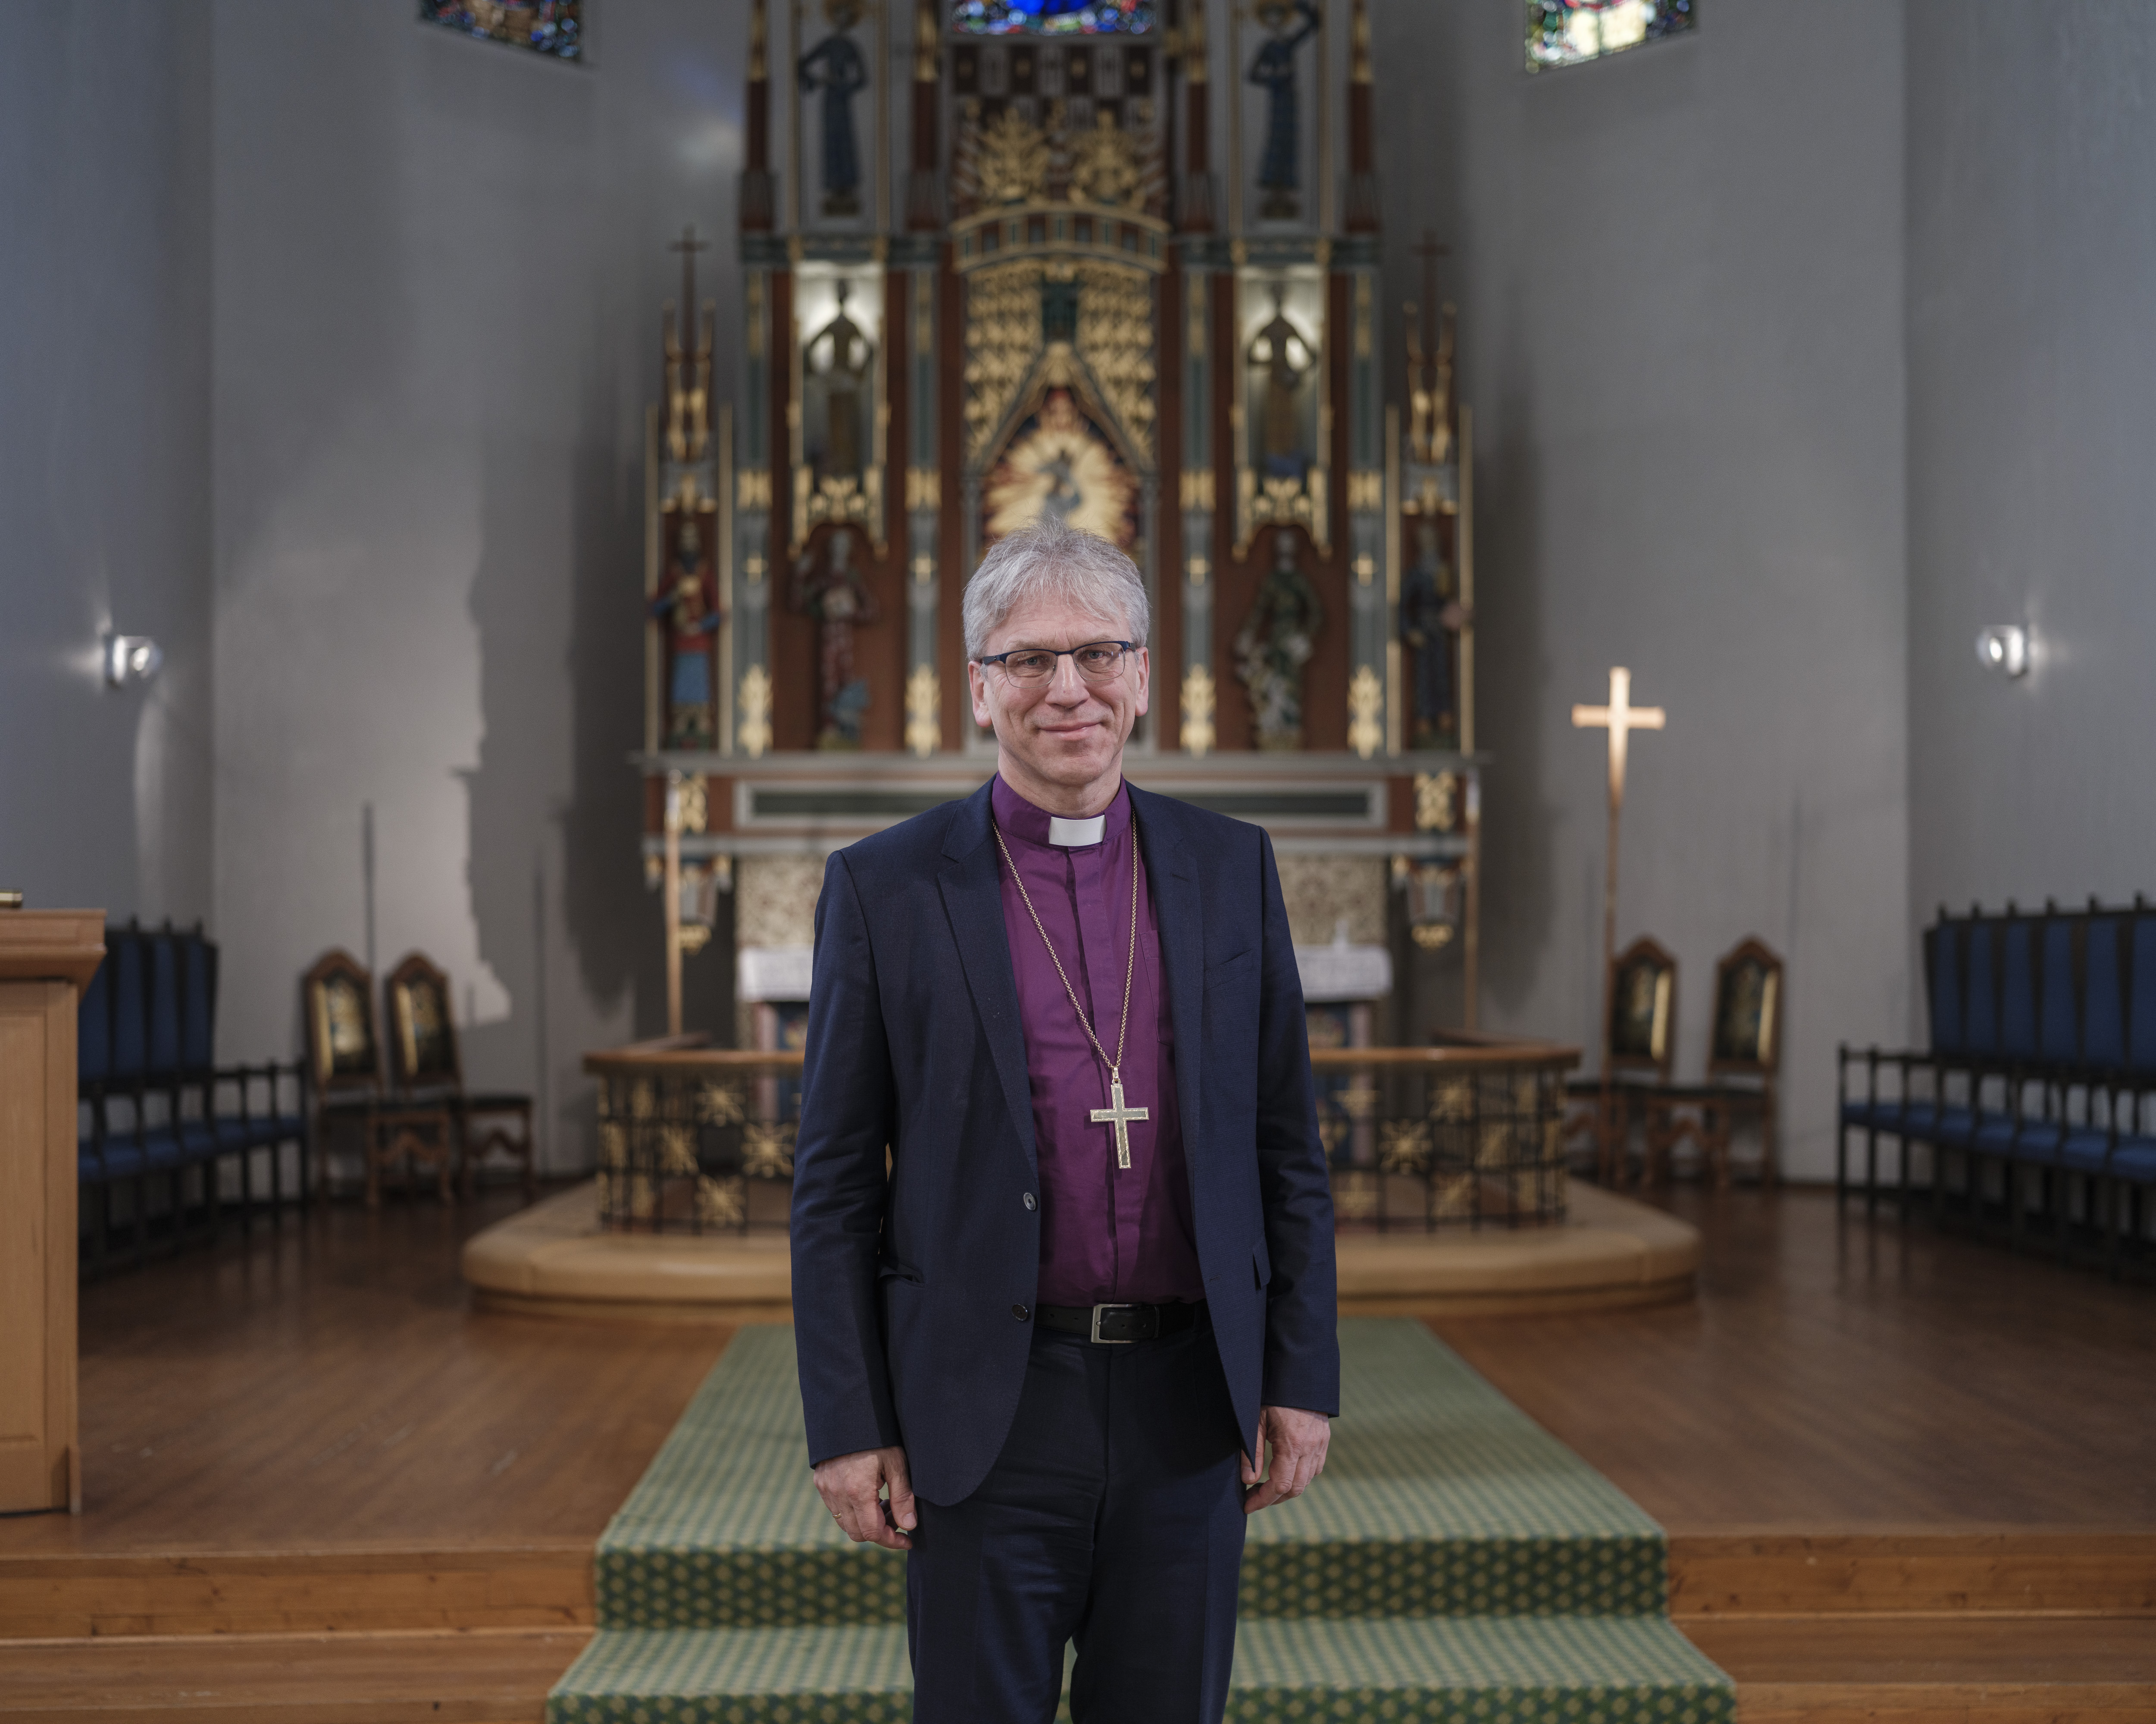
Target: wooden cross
point(1120, 1117)
point(1620, 718)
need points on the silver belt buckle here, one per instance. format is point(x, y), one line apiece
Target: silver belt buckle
point(1107, 1341)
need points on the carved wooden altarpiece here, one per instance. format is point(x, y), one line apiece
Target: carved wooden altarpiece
point(1120, 260)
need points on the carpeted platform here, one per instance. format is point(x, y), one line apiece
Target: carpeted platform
point(1454, 1562)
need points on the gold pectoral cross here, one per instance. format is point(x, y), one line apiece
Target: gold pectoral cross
point(1120, 1117)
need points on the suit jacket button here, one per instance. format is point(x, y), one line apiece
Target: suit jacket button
point(1026, 1200)
point(1020, 1313)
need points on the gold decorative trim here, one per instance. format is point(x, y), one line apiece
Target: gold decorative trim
point(1196, 568)
point(755, 733)
point(1197, 703)
point(924, 703)
point(1115, 334)
point(1366, 701)
point(1003, 339)
point(1366, 492)
point(1436, 801)
point(1011, 165)
point(695, 803)
point(753, 488)
point(924, 488)
point(1282, 502)
point(1197, 489)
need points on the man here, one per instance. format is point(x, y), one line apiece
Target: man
point(1081, 1322)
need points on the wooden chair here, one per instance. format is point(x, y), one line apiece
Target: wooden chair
point(425, 1066)
point(344, 1059)
point(1637, 1047)
point(1744, 1063)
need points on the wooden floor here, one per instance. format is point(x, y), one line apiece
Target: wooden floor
point(1907, 1476)
point(328, 1385)
point(1833, 1374)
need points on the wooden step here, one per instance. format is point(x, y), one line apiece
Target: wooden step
point(2046, 1669)
point(483, 1677)
point(2019, 1571)
point(543, 1584)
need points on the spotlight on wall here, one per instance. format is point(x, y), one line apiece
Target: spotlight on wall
point(130, 658)
point(2004, 648)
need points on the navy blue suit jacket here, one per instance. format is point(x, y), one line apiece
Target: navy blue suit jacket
point(913, 1291)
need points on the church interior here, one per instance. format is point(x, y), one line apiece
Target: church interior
point(491, 487)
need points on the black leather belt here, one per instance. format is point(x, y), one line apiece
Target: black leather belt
point(1118, 1326)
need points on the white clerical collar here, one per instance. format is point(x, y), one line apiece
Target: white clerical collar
point(1072, 833)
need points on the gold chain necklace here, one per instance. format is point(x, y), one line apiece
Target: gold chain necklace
point(1114, 1115)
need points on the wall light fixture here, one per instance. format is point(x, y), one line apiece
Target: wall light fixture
point(2005, 648)
point(130, 658)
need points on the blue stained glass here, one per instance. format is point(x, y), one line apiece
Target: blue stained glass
point(1053, 18)
point(549, 27)
point(1567, 32)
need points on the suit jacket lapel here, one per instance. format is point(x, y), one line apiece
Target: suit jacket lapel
point(973, 897)
point(1172, 878)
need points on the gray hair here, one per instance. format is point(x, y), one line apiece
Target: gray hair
point(1052, 557)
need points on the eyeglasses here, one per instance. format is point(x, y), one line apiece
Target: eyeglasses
point(1097, 661)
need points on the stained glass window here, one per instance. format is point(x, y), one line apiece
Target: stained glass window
point(1564, 33)
point(553, 27)
point(1054, 18)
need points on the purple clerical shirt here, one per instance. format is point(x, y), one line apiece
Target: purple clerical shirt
point(1106, 1233)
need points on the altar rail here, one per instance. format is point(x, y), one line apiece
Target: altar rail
point(699, 1140)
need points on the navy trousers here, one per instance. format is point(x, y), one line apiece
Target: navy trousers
point(1113, 1519)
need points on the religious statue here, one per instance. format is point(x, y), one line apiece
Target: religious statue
point(834, 66)
point(1057, 464)
point(1275, 641)
point(1430, 617)
point(684, 605)
point(837, 360)
point(1280, 351)
point(1290, 23)
point(837, 597)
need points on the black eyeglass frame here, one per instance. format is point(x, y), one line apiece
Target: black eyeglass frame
point(1060, 652)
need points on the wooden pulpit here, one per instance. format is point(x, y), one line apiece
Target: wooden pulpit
point(46, 958)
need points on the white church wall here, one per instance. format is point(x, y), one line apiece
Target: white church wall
point(104, 514)
point(439, 264)
point(2032, 250)
point(1680, 281)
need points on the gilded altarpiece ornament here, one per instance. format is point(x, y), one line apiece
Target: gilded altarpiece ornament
point(840, 416)
point(1282, 415)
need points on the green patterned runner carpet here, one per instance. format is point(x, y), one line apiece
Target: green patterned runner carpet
point(1456, 1562)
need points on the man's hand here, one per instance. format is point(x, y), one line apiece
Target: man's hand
point(852, 1486)
point(1297, 1440)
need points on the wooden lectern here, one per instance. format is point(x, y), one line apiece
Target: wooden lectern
point(46, 957)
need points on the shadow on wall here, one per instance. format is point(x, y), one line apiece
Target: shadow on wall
point(1511, 695)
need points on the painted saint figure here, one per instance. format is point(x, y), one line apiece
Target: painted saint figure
point(835, 595)
point(1274, 643)
point(1291, 23)
point(838, 359)
point(1280, 350)
point(1430, 618)
point(834, 66)
point(683, 605)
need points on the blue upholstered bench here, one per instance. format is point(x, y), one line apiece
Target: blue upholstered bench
point(2041, 1066)
point(154, 1105)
